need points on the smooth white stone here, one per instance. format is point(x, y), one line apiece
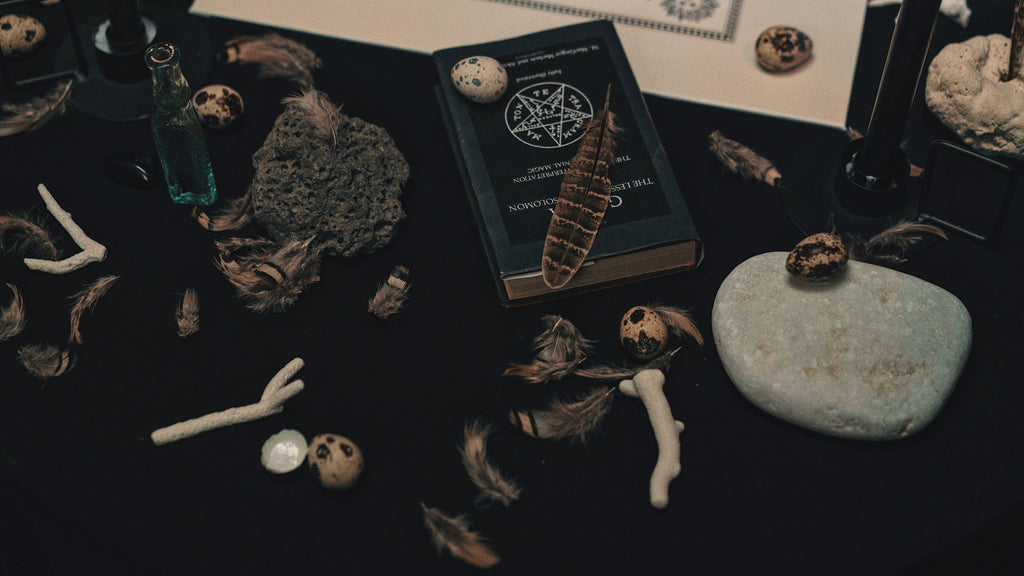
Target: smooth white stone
point(872, 355)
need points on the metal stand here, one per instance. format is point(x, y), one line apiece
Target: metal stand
point(113, 83)
point(863, 186)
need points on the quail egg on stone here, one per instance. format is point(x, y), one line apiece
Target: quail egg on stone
point(20, 34)
point(782, 48)
point(818, 258)
point(335, 461)
point(482, 79)
point(218, 106)
point(643, 333)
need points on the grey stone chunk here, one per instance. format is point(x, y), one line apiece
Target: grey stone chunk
point(346, 196)
point(872, 355)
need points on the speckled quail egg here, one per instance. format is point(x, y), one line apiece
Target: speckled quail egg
point(482, 79)
point(643, 333)
point(335, 461)
point(20, 34)
point(782, 48)
point(818, 258)
point(218, 106)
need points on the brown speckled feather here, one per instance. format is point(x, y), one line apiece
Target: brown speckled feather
point(582, 201)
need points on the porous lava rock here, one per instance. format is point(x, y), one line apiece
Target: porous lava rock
point(342, 189)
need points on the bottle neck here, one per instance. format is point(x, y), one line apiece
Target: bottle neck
point(170, 89)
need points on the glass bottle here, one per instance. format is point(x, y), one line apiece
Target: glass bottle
point(177, 131)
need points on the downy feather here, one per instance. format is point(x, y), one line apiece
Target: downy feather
point(34, 114)
point(452, 533)
point(319, 111)
point(485, 475)
point(743, 161)
point(24, 238)
point(86, 300)
point(46, 361)
point(890, 246)
point(12, 316)
point(574, 421)
point(187, 315)
point(274, 55)
point(269, 276)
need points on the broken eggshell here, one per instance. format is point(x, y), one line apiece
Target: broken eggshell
point(284, 451)
point(818, 258)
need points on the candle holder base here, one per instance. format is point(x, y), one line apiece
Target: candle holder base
point(818, 193)
point(99, 96)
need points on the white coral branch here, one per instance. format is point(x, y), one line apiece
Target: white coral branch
point(92, 251)
point(277, 392)
point(647, 385)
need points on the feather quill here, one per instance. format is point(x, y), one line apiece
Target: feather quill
point(319, 111)
point(269, 276)
point(34, 114)
point(24, 238)
point(574, 421)
point(606, 373)
point(86, 300)
point(890, 246)
point(46, 361)
point(488, 479)
point(275, 56)
point(453, 533)
point(582, 201)
point(12, 316)
point(187, 315)
point(743, 161)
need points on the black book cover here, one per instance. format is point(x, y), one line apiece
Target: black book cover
point(513, 152)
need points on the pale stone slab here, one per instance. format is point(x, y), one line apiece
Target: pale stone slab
point(872, 355)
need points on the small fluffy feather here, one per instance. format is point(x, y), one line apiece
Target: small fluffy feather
point(12, 317)
point(46, 361)
point(605, 373)
point(391, 295)
point(86, 300)
point(454, 535)
point(492, 484)
point(24, 238)
point(274, 55)
point(269, 276)
point(679, 322)
point(234, 216)
point(187, 315)
point(742, 160)
point(890, 246)
point(34, 114)
point(321, 113)
point(559, 349)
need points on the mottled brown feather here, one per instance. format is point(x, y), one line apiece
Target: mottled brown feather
point(582, 201)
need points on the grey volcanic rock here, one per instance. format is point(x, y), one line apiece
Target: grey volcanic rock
point(871, 355)
point(346, 195)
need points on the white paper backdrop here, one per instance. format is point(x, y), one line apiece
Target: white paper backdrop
point(696, 50)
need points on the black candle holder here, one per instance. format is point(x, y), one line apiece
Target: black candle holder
point(863, 186)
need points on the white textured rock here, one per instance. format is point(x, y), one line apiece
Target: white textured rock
point(872, 355)
point(965, 91)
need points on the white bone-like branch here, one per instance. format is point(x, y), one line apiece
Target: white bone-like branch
point(92, 251)
point(277, 392)
point(647, 385)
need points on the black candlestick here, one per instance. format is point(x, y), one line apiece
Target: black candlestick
point(868, 190)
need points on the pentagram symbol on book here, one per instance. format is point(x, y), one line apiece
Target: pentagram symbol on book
point(548, 115)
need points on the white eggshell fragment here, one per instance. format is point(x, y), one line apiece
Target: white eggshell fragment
point(482, 79)
point(20, 34)
point(218, 106)
point(284, 451)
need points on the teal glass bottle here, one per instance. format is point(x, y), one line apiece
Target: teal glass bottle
point(177, 131)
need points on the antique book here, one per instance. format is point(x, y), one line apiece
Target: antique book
point(513, 154)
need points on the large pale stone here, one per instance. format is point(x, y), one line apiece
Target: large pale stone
point(872, 355)
point(966, 92)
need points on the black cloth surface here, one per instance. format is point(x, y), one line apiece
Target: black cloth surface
point(83, 490)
